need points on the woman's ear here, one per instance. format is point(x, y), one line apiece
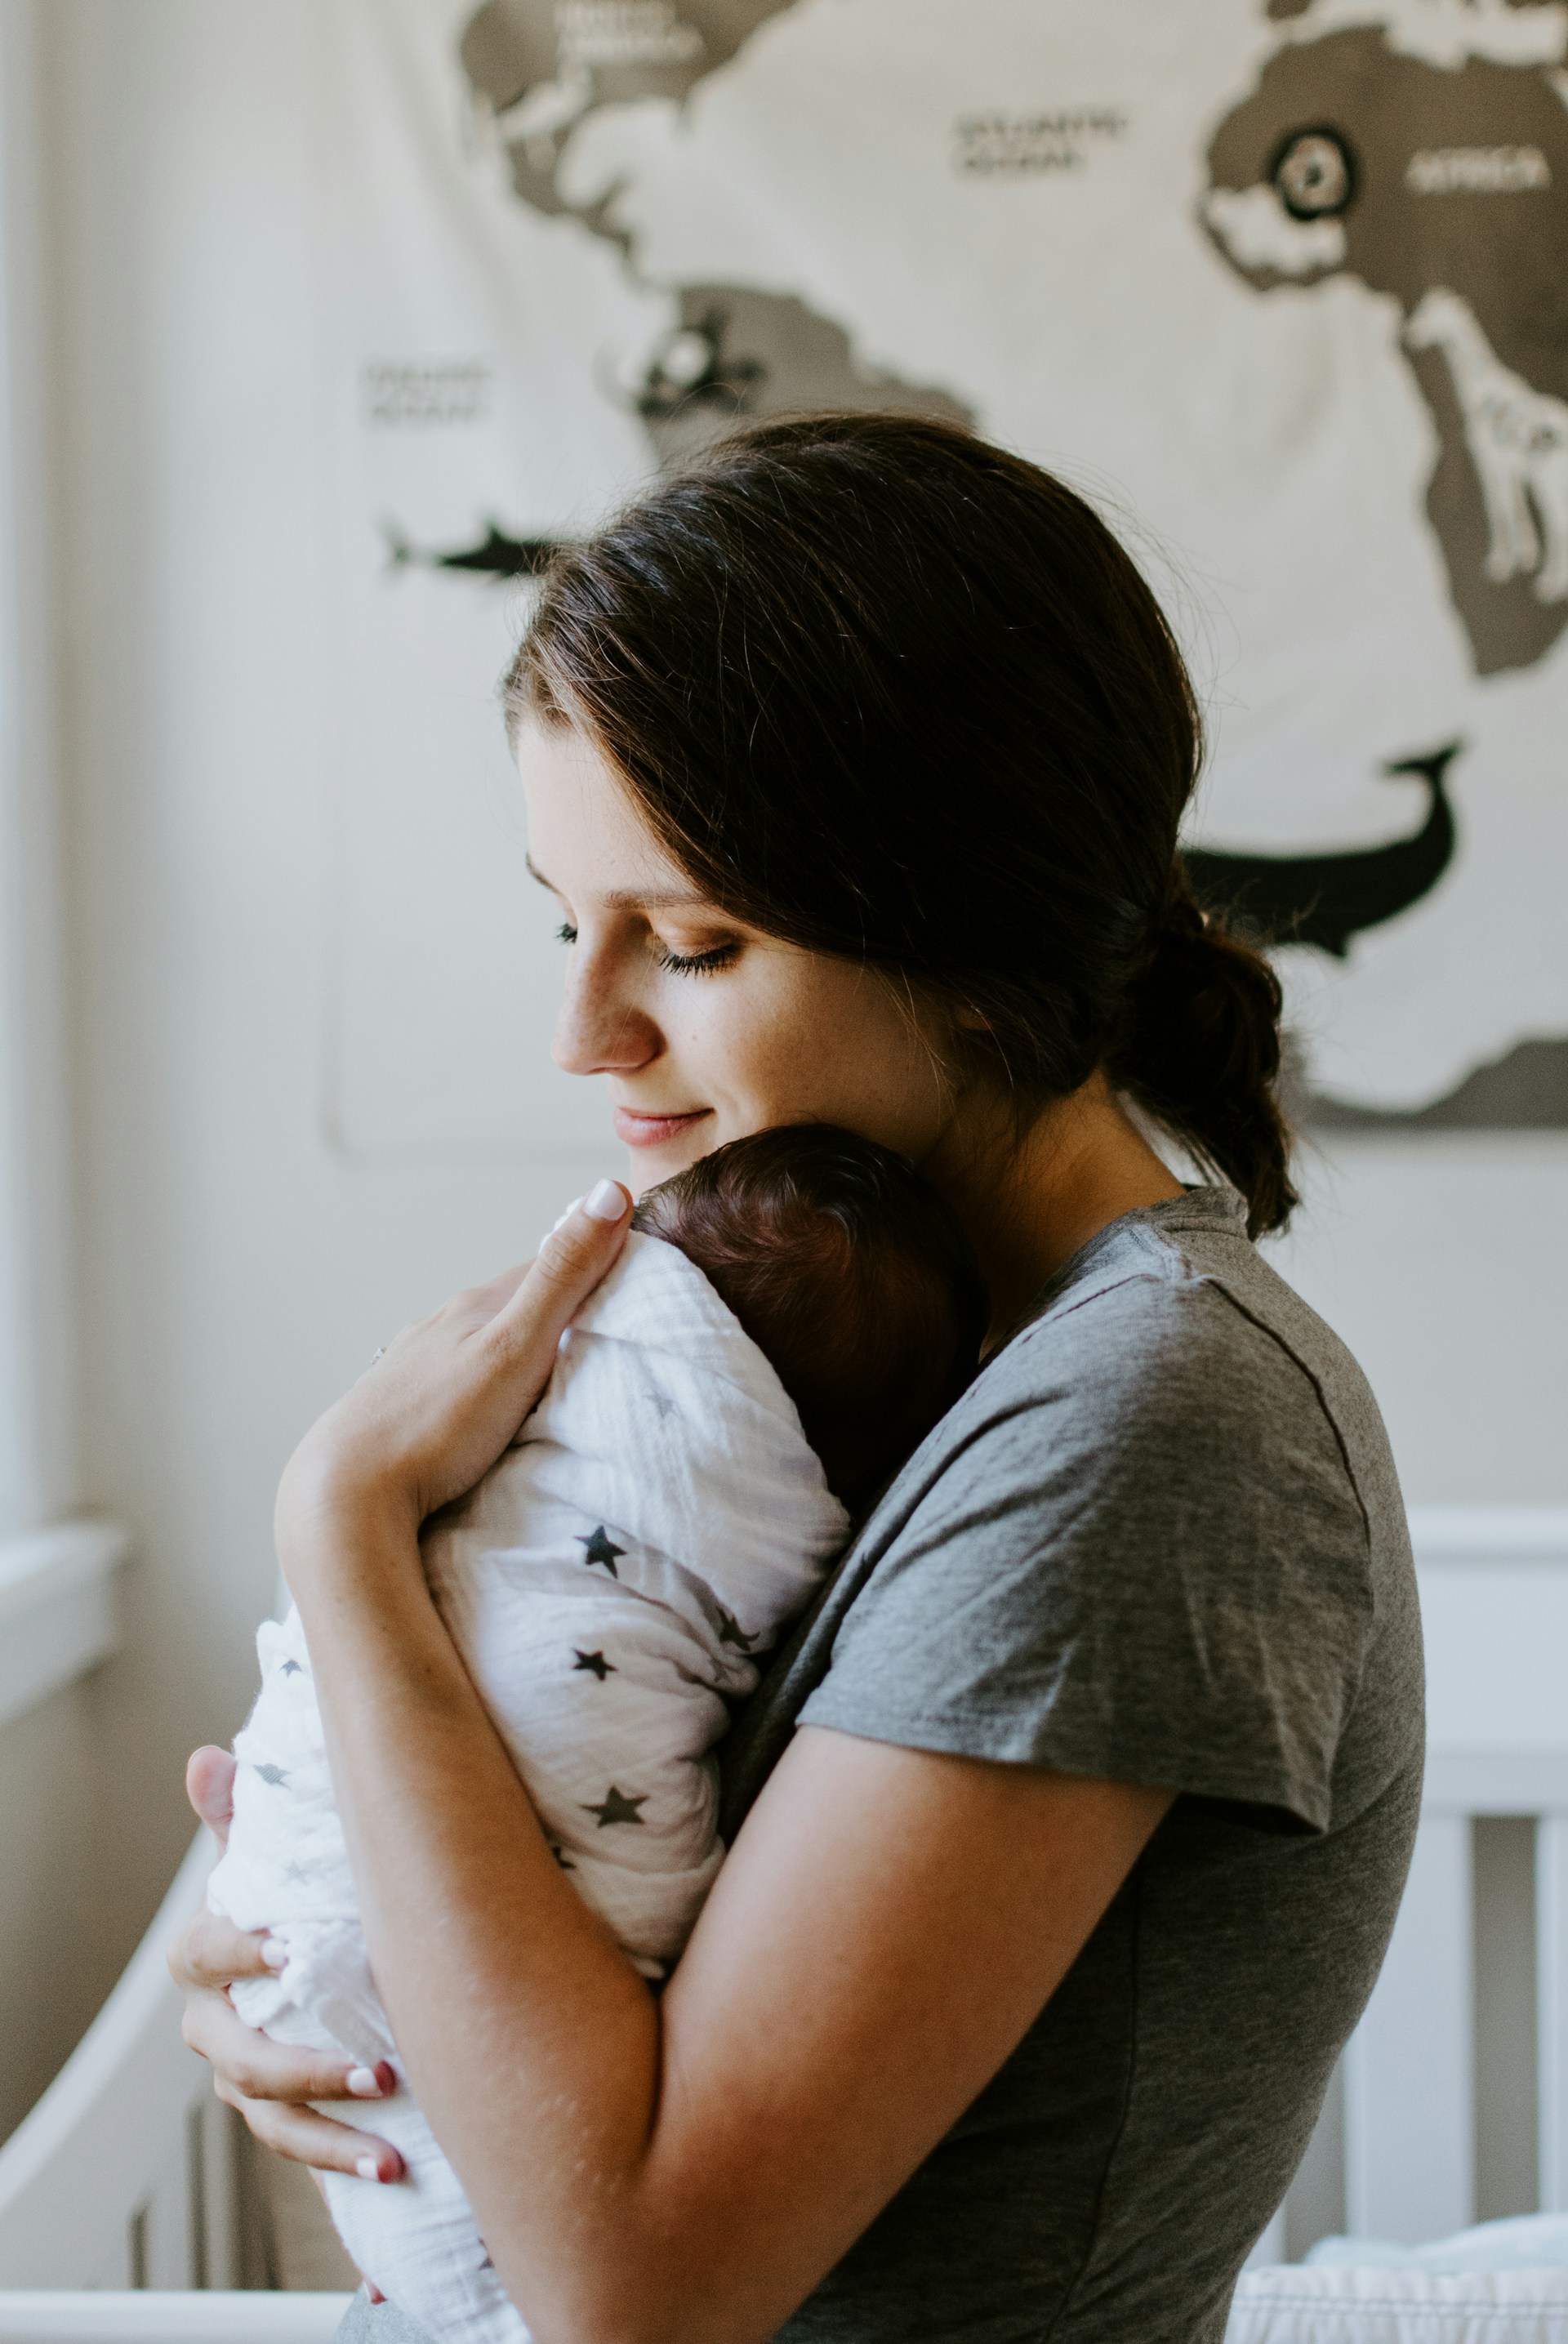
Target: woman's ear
point(971, 1020)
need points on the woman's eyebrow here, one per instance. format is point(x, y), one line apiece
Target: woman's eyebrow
point(624, 899)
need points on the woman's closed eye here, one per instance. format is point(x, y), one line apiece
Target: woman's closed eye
point(698, 963)
point(686, 964)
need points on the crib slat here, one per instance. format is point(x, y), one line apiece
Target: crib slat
point(1409, 2088)
point(168, 2246)
point(1552, 2007)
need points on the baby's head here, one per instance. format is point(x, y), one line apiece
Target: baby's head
point(848, 1271)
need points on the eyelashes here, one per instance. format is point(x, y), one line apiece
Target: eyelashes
point(699, 963)
point(682, 964)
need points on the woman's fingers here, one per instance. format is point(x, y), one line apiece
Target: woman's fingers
point(209, 1786)
point(564, 1272)
point(211, 1952)
point(251, 2064)
point(310, 2139)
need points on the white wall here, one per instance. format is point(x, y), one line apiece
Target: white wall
point(235, 1274)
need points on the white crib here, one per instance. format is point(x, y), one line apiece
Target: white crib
point(120, 2195)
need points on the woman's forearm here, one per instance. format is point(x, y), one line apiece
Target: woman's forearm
point(530, 2041)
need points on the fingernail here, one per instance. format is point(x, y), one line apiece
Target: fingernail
point(274, 1954)
point(364, 2083)
point(368, 2168)
point(607, 1202)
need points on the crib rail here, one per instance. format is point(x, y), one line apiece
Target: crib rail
point(58, 2316)
point(122, 2180)
point(123, 2175)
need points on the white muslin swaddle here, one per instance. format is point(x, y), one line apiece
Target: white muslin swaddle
point(658, 1520)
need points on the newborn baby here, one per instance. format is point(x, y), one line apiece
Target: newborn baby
point(787, 1319)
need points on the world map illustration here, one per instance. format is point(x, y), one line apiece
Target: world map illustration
point(1287, 282)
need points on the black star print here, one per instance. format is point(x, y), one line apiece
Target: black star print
point(601, 1667)
point(558, 1852)
point(732, 1633)
point(274, 1775)
point(292, 1669)
point(617, 1808)
point(601, 1548)
point(662, 1403)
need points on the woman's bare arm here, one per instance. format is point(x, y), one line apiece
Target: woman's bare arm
point(887, 1925)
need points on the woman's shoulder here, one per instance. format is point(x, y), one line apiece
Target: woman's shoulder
point(1170, 1336)
point(1154, 1539)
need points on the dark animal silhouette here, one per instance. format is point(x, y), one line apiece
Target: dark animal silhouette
point(496, 555)
point(1326, 899)
point(692, 371)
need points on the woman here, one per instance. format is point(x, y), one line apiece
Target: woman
point(1077, 1810)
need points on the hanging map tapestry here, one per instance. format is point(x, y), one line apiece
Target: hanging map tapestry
point(1281, 284)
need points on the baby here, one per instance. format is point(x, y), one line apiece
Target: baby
point(787, 1319)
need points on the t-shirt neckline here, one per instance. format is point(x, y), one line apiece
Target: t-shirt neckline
point(1203, 1204)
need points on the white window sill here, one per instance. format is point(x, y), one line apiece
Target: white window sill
point(58, 1612)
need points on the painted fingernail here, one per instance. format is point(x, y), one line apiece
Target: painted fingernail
point(274, 1954)
point(364, 2083)
point(607, 1202)
point(367, 2169)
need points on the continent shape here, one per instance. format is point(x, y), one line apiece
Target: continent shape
point(1447, 190)
point(732, 353)
point(541, 65)
point(737, 352)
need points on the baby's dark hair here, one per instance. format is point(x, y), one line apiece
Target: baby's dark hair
point(849, 1271)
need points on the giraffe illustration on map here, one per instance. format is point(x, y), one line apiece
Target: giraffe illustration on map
point(1518, 441)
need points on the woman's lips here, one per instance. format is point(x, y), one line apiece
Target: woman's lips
point(648, 1130)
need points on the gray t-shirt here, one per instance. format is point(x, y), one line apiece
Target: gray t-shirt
point(1159, 1539)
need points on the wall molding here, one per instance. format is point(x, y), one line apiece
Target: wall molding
point(59, 1607)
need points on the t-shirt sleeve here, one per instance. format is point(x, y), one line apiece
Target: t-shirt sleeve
point(1145, 1559)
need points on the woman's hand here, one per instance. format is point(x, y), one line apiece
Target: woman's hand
point(437, 1409)
point(269, 2083)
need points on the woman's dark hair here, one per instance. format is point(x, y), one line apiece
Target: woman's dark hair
point(882, 688)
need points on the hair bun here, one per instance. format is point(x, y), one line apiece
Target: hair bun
point(1201, 1053)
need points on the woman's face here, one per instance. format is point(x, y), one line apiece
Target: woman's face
point(760, 1033)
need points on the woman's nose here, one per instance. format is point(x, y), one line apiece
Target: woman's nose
point(600, 1032)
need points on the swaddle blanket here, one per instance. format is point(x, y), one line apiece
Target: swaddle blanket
point(609, 1584)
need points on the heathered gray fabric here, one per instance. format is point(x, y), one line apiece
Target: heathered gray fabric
point(1161, 1539)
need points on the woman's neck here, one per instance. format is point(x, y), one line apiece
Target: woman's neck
point(1028, 1209)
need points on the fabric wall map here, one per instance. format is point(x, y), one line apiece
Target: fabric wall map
point(1283, 286)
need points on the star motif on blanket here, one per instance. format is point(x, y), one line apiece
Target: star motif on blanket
point(601, 1667)
point(616, 1807)
point(601, 1548)
point(292, 1669)
point(732, 1633)
point(273, 1774)
point(659, 1401)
